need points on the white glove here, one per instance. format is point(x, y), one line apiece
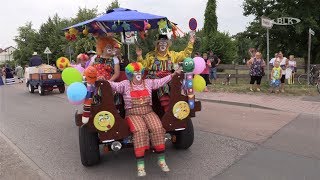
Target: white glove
point(85, 120)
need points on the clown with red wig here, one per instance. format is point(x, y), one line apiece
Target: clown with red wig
point(105, 67)
point(137, 95)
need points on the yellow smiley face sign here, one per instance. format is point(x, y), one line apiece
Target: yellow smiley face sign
point(103, 121)
point(181, 110)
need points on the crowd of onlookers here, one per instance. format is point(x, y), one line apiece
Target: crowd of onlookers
point(282, 69)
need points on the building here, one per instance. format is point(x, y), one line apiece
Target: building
point(6, 54)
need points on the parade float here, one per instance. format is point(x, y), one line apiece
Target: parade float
point(106, 127)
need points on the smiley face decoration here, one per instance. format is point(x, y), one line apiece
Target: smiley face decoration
point(103, 121)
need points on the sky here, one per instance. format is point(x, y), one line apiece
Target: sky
point(15, 13)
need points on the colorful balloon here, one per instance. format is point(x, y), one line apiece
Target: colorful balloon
point(62, 63)
point(199, 84)
point(76, 92)
point(91, 74)
point(71, 75)
point(199, 65)
point(188, 65)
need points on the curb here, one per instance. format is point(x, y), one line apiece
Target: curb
point(25, 158)
point(236, 104)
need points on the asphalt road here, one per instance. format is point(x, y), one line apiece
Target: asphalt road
point(43, 128)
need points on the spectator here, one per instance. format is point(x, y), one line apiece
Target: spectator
point(215, 61)
point(292, 64)
point(9, 79)
point(276, 74)
point(19, 73)
point(271, 62)
point(283, 65)
point(205, 73)
point(1, 74)
point(35, 60)
point(256, 65)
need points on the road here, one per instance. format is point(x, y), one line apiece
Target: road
point(43, 129)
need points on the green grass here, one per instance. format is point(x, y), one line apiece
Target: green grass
point(243, 87)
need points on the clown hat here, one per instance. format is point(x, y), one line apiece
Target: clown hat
point(163, 38)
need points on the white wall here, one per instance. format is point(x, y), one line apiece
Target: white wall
point(7, 56)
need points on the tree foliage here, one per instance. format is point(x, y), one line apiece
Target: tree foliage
point(210, 21)
point(291, 39)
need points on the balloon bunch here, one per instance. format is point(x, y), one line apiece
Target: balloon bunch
point(193, 82)
point(71, 35)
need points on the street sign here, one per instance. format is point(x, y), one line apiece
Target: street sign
point(311, 32)
point(47, 51)
point(284, 21)
point(266, 22)
point(193, 24)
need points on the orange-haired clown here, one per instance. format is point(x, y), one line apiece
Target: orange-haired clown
point(136, 93)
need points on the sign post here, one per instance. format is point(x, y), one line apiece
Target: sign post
point(47, 51)
point(311, 33)
point(267, 23)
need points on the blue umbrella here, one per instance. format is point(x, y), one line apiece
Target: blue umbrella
point(120, 20)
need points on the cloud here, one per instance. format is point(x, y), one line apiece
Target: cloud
point(16, 13)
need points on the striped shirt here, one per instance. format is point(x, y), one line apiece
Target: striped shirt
point(124, 88)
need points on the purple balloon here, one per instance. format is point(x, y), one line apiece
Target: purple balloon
point(199, 65)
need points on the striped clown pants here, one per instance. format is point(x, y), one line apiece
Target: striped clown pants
point(145, 126)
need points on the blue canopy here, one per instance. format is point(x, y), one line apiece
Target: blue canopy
point(119, 20)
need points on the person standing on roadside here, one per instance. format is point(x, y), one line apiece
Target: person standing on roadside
point(256, 66)
point(19, 73)
point(215, 61)
point(1, 74)
point(283, 65)
point(292, 65)
point(205, 72)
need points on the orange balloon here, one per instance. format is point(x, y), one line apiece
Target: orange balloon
point(91, 74)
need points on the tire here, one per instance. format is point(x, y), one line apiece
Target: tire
point(41, 90)
point(184, 139)
point(30, 88)
point(302, 79)
point(61, 89)
point(89, 146)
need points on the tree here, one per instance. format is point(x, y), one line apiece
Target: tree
point(114, 4)
point(27, 42)
point(290, 39)
point(210, 20)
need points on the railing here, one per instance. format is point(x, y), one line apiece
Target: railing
point(237, 71)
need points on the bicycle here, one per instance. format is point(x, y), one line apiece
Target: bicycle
point(313, 78)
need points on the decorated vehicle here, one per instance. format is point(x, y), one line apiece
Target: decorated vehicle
point(104, 121)
point(108, 128)
point(43, 78)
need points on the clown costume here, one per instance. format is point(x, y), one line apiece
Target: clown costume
point(161, 61)
point(142, 120)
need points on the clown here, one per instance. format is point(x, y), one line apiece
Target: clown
point(105, 67)
point(136, 92)
point(160, 62)
point(106, 63)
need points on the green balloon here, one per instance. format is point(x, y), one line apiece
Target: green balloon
point(188, 65)
point(71, 75)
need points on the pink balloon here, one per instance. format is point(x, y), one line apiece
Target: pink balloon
point(78, 67)
point(199, 65)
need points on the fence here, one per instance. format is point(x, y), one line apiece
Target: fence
point(242, 71)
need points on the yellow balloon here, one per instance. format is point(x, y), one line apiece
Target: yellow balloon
point(199, 84)
point(181, 110)
point(103, 120)
point(62, 63)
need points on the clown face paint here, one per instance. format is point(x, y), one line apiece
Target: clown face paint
point(108, 50)
point(137, 76)
point(162, 46)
